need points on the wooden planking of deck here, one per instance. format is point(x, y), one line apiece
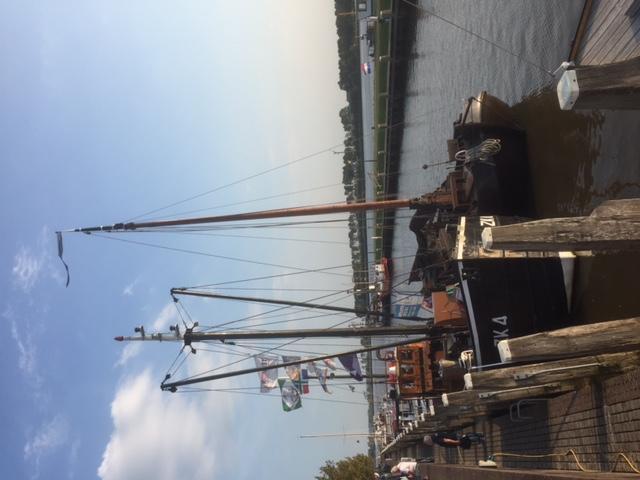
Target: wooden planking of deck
point(612, 32)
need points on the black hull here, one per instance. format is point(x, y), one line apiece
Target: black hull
point(507, 294)
point(501, 187)
point(508, 298)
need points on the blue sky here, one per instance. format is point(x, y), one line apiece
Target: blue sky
point(111, 109)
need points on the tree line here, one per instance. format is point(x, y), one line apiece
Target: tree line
point(353, 164)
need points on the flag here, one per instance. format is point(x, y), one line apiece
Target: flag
point(330, 363)
point(351, 364)
point(60, 252)
point(291, 399)
point(304, 382)
point(293, 371)
point(321, 375)
point(268, 378)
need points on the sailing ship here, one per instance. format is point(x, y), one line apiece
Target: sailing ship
point(478, 296)
point(503, 293)
point(498, 293)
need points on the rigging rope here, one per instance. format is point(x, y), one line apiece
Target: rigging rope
point(213, 255)
point(243, 202)
point(236, 182)
point(258, 237)
point(480, 37)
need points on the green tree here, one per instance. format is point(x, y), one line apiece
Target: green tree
point(359, 467)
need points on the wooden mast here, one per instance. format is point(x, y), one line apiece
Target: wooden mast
point(437, 198)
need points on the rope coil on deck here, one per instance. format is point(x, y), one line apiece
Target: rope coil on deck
point(480, 153)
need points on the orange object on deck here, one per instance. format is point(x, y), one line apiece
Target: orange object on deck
point(447, 311)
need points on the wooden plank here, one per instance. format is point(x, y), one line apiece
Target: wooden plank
point(603, 41)
point(614, 43)
point(477, 398)
point(610, 86)
point(607, 365)
point(633, 41)
point(616, 335)
point(608, 42)
point(614, 226)
point(606, 15)
point(564, 234)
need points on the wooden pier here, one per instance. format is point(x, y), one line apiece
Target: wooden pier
point(609, 32)
point(580, 413)
point(598, 421)
point(606, 53)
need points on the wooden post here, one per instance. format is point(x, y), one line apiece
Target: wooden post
point(487, 397)
point(616, 335)
point(549, 372)
point(615, 225)
point(613, 86)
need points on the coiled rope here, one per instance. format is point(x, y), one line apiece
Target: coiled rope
point(482, 152)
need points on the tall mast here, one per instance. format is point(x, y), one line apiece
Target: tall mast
point(189, 337)
point(331, 308)
point(436, 198)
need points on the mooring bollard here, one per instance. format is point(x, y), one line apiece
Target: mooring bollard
point(614, 86)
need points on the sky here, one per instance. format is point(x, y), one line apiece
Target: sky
point(113, 109)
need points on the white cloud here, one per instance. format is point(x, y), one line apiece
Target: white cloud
point(131, 350)
point(128, 290)
point(167, 315)
point(50, 436)
point(26, 268)
point(26, 348)
point(164, 436)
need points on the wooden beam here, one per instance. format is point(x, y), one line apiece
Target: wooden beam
point(487, 397)
point(615, 86)
point(615, 225)
point(613, 336)
point(608, 364)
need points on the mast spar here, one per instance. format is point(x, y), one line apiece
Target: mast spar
point(317, 306)
point(189, 337)
point(436, 198)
